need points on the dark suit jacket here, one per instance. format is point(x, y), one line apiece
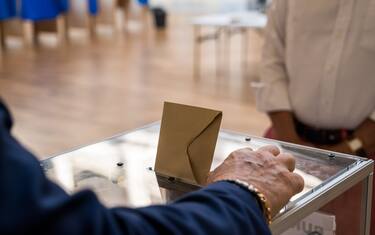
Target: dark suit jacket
point(31, 204)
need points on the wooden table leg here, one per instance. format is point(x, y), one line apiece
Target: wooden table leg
point(2, 35)
point(146, 15)
point(29, 33)
point(124, 6)
point(197, 52)
point(245, 49)
point(126, 9)
point(62, 29)
point(227, 48)
point(218, 52)
point(115, 23)
point(91, 26)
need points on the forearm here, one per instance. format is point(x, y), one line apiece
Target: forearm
point(283, 125)
point(5, 118)
point(221, 208)
point(41, 207)
point(366, 133)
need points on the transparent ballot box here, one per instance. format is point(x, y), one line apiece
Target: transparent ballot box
point(338, 187)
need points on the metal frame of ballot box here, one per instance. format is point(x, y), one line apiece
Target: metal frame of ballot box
point(361, 172)
point(120, 171)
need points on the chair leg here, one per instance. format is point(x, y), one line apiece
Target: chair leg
point(2, 35)
point(126, 9)
point(245, 49)
point(227, 50)
point(124, 6)
point(29, 33)
point(145, 17)
point(91, 25)
point(114, 14)
point(197, 52)
point(62, 29)
point(218, 43)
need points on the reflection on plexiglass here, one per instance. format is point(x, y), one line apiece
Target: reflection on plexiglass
point(119, 169)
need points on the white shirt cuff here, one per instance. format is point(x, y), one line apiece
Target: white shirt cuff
point(372, 117)
point(272, 96)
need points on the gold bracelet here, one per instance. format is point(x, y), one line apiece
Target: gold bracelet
point(261, 198)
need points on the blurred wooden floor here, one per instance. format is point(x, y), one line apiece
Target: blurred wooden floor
point(63, 97)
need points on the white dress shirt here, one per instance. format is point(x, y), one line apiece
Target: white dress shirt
point(319, 61)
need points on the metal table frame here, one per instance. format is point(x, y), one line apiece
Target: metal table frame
point(222, 34)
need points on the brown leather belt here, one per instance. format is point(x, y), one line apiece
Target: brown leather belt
point(322, 136)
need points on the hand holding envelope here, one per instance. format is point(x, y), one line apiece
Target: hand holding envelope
point(187, 142)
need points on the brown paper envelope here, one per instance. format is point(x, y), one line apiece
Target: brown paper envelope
point(187, 142)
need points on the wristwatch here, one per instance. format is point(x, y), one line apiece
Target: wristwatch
point(356, 146)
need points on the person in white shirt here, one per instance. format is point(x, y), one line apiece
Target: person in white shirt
point(318, 69)
point(317, 80)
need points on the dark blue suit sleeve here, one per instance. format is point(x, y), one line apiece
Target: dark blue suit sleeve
point(31, 204)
